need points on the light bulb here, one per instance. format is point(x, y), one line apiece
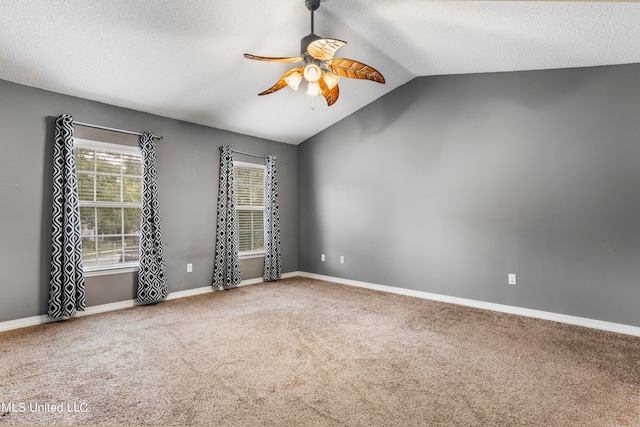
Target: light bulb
point(312, 73)
point(293, 80)
point(313, 89)
point(330, 79)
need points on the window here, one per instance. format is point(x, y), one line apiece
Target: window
point(249, 182)
point(110, 196)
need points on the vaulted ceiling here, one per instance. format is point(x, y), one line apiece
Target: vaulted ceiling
point(183, 58)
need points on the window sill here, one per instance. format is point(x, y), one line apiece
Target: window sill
point(249, 255)
point(111, 270)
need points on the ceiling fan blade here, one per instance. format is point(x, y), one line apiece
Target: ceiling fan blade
point(281, 83)
point(324, 49)
point(271, 59)
point(331, 95)
point(354, 70)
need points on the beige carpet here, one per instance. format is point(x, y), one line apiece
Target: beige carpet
point(302, 352)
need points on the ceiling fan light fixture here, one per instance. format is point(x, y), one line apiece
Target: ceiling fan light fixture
point(293, 80)
point(313, 89)
point(312, 73)
point(319, 67)
point(330, 79)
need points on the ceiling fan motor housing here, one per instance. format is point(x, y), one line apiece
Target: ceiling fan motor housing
point(312, 4)
point(306, 41)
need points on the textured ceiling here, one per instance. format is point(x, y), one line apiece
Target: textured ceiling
point(183, 58)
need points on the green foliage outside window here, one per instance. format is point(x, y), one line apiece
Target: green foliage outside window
point(249, 183)
point(110, 193)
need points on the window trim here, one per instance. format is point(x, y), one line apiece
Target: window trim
point(251, 254)
point(255, 253)
point(125, 267)
point(109, 146)
point(115, 269)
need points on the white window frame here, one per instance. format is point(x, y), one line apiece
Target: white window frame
point(256, 253)
point(125, 267)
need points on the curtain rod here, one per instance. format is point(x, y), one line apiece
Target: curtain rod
point(247, 154)
point(89, 125)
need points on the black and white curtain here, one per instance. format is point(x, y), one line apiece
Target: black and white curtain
point(66, 285)
point(226, 269)
point(272, 255)
point(152, 276)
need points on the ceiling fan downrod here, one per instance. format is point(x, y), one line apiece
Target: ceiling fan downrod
point(312, 5)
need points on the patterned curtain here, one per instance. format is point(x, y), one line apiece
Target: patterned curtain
point(66, 287)
point(152, 277)
point(226, 269)
point(272, 255)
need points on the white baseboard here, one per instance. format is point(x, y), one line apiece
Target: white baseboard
point(207, 289)
point(39, 320)
point(563, 318)
point(556, 317)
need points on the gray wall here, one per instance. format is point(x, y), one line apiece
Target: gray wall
point(449, 183)
point(188, 159)
point(444, 185)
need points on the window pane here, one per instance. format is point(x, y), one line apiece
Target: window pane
point(244, 243)
point(108, 162)
point(258, 230)
point(109, 250)
point(109, 221)
point(243, 196)
point(244, 231)
point(132, 191)
point(244, 220)
point(85, 187)
point(242, 175)
point(84, 159)
point(257, 176)
point(88, 221)
point(131, 220)
point(89, 258)
point(131, 164)
point(249, 186)
point(257, 196)
point(131, 248)
point(108, 188)
point(250, 230)
point(250, 193)
point(109, 178)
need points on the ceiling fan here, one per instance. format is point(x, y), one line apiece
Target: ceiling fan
point(321, 70)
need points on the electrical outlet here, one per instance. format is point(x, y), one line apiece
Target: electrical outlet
point(322, 258)
point(341, 259)
point(189, 268)
point(512, 279)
